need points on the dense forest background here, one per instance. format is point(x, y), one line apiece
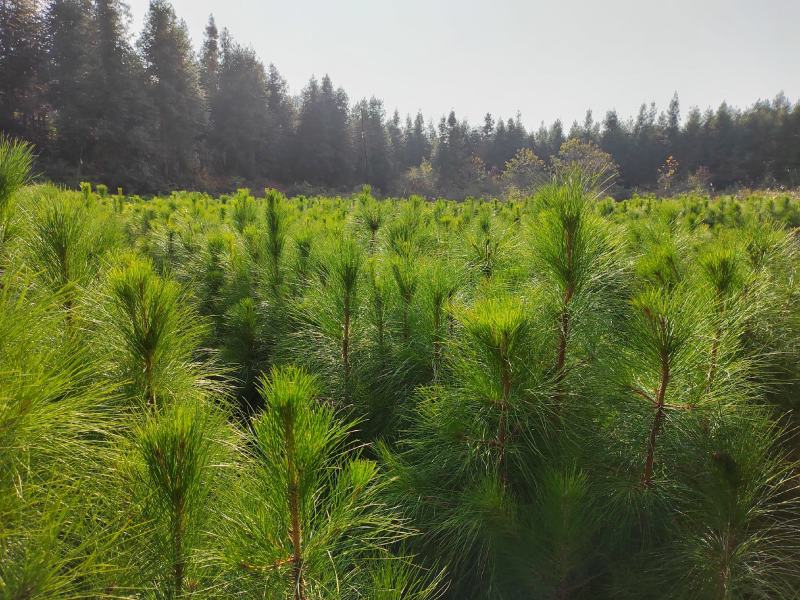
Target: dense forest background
point(151, 115)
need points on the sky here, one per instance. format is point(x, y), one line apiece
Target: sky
point(542, 59)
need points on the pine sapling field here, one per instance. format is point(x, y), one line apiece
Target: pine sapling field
point(558, 396)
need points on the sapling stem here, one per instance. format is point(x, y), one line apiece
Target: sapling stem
point(295, 532)
point(658, 419)
point(346, 345)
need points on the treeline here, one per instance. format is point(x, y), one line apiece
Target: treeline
point(152, 115)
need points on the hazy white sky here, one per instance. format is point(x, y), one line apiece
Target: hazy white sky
point(546, 59)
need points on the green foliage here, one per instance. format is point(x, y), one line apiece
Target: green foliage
point(243, 209)
point(597, 167)
point(16, 160)
point(150, 333)
point(559, 396)
point(60, 248)
point(306, 519)
point(55, 434)
point(175, 463)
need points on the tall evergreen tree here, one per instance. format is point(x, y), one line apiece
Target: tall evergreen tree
point(724, 140)
point(452, 155)
point(239, 112)
point(281, 116)
point(689, 150)
point(174, 91)
point(371, 143)
point(548, 141)
point(322, 143)
point(396, 143)
point(209, 59)
point(120, 146)
point(22, 50)
point(672, 125)
point(417, 143)
point(648, 152)
point(69, 31)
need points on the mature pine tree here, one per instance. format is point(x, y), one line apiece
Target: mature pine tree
point(689, 150)
point(308, 135)
point(452, 155)
point(69, 28)
point(371, 144)
point(787, 147)
point(649, 150)
point(22, 110)
point(322, 142)
point(209, 59)
point(209, 63)
point(548, 140)
point(121, 117)
point(281, 116)
point(591, 130)
point(672, 124)
point(508, 138)
point(725, 147)
point(396, 143)
point(335, 111)
point(417, 142)
point(174, 92)
point(239, 112)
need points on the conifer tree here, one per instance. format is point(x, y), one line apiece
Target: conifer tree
point(322, 144)
point(239, 119)
point(69, 59)
point(576, 260)
point(22, 76)
point(209, 60)
point(281, 112)
point(464, 467)
point(307, 520)
point(174, 463)
point(151, 332)
point(174, 91)
point(119, 144)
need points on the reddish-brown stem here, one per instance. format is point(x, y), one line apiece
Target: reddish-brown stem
point(564, 323)
point(373, 239)
point(346, 346)
point(406, 331)
point(658, 420)
point(179, 566)
point(505, 381)
point(150, 394)
point(437, 344)
point(561, 353)
point(295, 532)
point(712, 366)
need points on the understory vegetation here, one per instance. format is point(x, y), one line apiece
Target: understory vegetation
point(252, 396)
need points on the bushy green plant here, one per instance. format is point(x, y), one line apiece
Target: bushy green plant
point(306, 519)
point(59, 248)
point(556, 396)
point(173, 466)
point(150, 334)
point(16, 161)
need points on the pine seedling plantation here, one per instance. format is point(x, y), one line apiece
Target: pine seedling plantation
point(559, 396)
